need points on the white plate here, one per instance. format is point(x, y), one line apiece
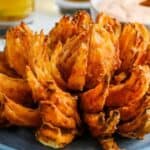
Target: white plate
point(72, 5)
point(129, 13)
point(2, 44)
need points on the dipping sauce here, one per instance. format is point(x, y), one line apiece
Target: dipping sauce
point(12, 10)
point(125, 10)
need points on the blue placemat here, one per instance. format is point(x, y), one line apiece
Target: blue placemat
point(24, 139)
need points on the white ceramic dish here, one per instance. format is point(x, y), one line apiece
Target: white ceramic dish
point(95, 10)
point(72, 5)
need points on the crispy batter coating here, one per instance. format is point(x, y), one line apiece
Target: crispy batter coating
point(17, 44)
point(132, 90)
point(102, 126)
point(93, 100)
point(105, 64)
point(144, 59)
point(54, 137)
point(16, 89)
point(19, 115)
point(58, 109)
point(3, 120)
point(12, 113)
point(66, 122)
point(111, 25)
point(101, 49)
point(101, 59)
point(139, 126)
point(69, 26)
point(134, 41)
point(54, 69)
point(109, 144)
point(72, 62)
point(38, 58)
point(4, 67)
point(81, 62)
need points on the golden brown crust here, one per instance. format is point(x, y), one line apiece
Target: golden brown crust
point(54, 137)
point(109, 144)
point(19, 115)
point(111, 25)
point(139, 126)
point(69, 26)
point(58, 109)
point(132, 90)
point(105, 67)
point(17, 44)
point(4, 67)
point(3, 120)
point(101, 50)
point(93, 100)
point(72, 61)
point(102, 126)
point(12, 113)
point(134, 41)
point(16, 89)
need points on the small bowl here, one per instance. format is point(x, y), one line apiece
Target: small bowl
point(69, 7)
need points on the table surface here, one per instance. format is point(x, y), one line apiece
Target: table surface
point(24, 139)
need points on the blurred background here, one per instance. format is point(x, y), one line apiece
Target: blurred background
point(48, 7)
point(56, 7)
point(38, 14)
point(43, 14)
